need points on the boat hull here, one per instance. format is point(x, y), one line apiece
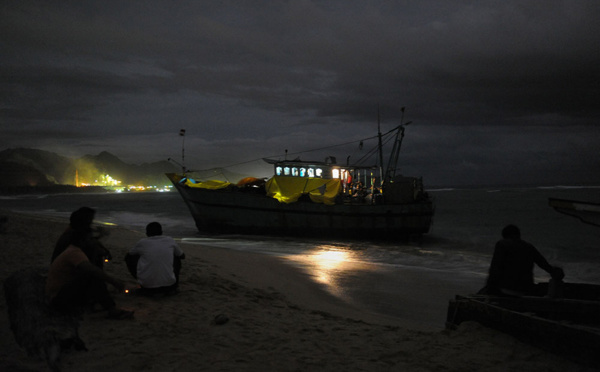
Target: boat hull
point(569, 325)
point(247, 212)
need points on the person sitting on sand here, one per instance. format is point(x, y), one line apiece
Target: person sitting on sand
point(73, 282)
point(511, 269)
point(155, 261)
point(80, 223)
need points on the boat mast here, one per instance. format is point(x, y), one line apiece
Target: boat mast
point(380, 148)
point(393, 162)
point(182, 134)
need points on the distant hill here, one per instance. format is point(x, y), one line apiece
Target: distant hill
point(31, 167)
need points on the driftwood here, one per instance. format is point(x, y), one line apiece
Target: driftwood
point(37, 329)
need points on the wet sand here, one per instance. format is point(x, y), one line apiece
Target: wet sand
point(279, 320)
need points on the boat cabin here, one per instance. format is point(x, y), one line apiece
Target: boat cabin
point(358, 182)
point(329, 169)
point(349, 175)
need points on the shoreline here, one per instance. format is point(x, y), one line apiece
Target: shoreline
point(279, 319)
point(243, 267)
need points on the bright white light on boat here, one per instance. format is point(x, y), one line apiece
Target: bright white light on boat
point(335, 173)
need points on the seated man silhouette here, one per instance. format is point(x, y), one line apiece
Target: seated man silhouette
point(155, 261)
point(80, 223)
point(511, 269)
point(74, 281)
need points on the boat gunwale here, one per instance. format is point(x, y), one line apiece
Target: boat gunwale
point(573, 340)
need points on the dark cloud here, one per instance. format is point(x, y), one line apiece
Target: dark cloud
point(490, 86)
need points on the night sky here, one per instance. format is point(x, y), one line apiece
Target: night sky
point(498, 92)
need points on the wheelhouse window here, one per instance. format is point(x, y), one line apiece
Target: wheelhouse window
point(308, 171)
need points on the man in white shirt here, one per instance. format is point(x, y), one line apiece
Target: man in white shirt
point(155, 261)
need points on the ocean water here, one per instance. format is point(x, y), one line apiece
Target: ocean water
point(452, 259)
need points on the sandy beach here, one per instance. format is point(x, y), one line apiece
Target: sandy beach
point(279, 320)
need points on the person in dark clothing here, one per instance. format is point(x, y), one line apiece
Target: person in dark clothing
point(73, 282)
point(76, 277)
point(80, 223)
point(511, 269)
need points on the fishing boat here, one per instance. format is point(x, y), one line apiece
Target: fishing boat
point(313, 199)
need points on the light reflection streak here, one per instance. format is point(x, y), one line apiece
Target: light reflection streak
point(328, 265)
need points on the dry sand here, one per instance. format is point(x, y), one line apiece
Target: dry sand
point(278, 321)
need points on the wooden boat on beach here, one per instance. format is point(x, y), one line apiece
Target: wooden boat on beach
point(569, 325)
point(313, 199)
point(565, 322)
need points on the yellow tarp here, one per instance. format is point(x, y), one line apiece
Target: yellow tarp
point(210, 184)
point(289, 189)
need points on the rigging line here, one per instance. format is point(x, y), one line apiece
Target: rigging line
point(346, 143)
point(302, 152)
point(297, 153)
point(373, 151)
point(245, 162)
point(368, 155)
point(329, 147)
